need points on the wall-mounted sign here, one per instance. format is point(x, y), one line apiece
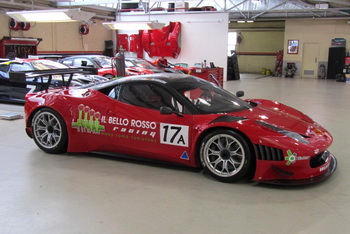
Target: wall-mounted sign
point(293, 46)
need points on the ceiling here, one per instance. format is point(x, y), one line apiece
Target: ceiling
point(257, 10)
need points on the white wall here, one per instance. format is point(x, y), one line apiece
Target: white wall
point(203, 36)
point(61, 37)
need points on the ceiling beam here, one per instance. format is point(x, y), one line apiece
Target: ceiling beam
point(267, 10)
point(84, 3)
point(240, 8)
point(238, 4)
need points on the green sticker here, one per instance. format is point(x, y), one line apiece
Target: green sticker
point(291, 158)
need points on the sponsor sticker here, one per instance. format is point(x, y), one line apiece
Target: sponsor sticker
point(324, 167)
point(185, 156)
point(292, 158)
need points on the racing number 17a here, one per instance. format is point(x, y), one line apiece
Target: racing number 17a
point(173, 134)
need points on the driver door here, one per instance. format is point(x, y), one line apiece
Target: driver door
point(150, 133)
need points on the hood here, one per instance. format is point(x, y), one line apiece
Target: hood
point(283, 117)
point(137, 71)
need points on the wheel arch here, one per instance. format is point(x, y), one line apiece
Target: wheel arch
point(32, 114)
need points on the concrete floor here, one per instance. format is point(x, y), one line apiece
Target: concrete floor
point(81, 193)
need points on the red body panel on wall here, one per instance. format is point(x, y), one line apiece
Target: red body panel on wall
point(123, 41)
point(163, 42)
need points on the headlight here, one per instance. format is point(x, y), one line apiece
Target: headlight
point(289, 134)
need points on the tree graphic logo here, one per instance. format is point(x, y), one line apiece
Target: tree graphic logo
point(88, 120)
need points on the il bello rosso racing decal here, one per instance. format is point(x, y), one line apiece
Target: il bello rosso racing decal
point(135, 123)
point(91, 121)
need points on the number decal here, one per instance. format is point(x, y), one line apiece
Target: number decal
point(173, 134)
point(31, 88)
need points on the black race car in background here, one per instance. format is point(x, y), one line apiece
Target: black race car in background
point(14, 84)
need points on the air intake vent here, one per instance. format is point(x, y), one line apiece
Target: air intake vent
point(319, 159)
point(309, 72)
point(269, 153)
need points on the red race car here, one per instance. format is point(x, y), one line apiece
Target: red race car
point(184, 120)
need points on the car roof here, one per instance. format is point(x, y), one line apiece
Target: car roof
point(21, 61)
point(164, 78)
point(85, 56)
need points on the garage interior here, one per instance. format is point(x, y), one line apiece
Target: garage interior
point(85, 193)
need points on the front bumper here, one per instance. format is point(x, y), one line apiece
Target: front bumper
point(327, 173)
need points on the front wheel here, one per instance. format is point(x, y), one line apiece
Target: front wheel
point(49, 131)
point(225, 155)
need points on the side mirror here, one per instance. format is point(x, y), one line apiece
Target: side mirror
point(240, 93)
point(165, 110)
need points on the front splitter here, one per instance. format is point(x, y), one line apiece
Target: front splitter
point(331, 169)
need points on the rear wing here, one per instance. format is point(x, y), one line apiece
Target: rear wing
point(44, 77)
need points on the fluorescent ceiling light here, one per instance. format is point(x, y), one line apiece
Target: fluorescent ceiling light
point(47, 16)
point(134, 25)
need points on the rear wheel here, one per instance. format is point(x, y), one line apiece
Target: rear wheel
point(49, 131)
point(225, 155)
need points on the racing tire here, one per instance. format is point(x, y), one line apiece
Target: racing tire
point(225, 155)
point(50, 131)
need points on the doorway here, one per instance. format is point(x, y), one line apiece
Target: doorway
point(311, 52)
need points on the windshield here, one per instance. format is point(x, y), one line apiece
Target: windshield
point(47, 65)
point(103, 61)
point(143, 63)
point(129, 64)
point(208, 98)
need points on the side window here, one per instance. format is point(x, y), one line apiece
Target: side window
point(114, 93)
point(80, 62)
point(68, 62)
point(3, 71)
point(4, 67)
point(149, 96)
point(129, 64)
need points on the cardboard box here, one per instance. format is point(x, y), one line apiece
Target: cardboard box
point(181, 6)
